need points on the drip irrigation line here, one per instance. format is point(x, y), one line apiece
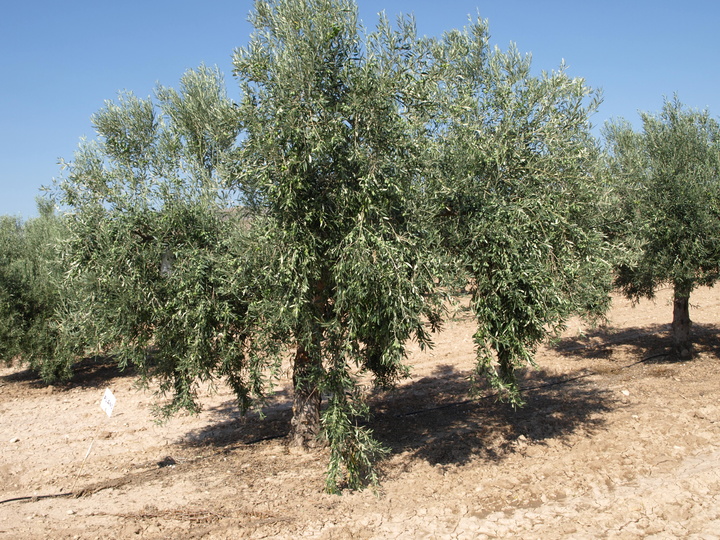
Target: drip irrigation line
point(38, 497)
point(263, 439)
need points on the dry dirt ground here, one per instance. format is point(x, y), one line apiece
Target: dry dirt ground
point(616, 441)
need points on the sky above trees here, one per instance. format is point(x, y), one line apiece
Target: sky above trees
point(61, 61)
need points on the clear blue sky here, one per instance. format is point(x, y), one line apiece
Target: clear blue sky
point(60, 60)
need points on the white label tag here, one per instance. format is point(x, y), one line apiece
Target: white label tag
point(108, 402)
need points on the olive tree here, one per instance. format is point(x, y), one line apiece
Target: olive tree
point(334, 154)
point(31, 287)
point(522, 212)
point(322, 213)
point(152, 245)
point(322, 245)
point(669, 177)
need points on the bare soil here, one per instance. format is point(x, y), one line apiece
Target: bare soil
point(618, 440)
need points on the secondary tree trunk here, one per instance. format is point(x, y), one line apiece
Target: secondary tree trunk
point(681, 323)
point(507, 370)
point(305, 424)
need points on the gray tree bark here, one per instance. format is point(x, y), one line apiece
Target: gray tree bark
point(681, 323)
point(305, 423)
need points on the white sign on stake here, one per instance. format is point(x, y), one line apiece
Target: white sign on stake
point(108, 402)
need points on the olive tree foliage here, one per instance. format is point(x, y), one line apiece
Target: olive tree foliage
point(30, 287)
point(335, 151)
point(668, 176)
point(209, 236)
point(152, 246)
point(522, 207)
point(319, 214)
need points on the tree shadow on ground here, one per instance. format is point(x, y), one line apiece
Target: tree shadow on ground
point(231, 428)
point(434, 418)
point(651, 343)
point(448, 428)
point(90, 372)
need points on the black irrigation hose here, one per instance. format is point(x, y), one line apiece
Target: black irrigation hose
point(263, 439)
point(37, 497)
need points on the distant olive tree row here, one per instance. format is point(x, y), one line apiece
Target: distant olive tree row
point(361, 179)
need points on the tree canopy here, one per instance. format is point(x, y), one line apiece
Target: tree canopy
point(328, 212)
point(522, 205)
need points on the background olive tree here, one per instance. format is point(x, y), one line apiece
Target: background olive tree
point(31, 288)
point(668, 176)
point(152, 245)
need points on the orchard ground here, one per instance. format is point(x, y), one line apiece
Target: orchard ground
point(617, 441)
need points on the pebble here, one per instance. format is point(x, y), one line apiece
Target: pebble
point(14, 440)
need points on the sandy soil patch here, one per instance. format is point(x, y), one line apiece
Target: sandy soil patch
point(617, 441)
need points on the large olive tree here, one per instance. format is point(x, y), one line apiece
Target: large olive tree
point(318, 214)
point(322, 244)
point(669, 178)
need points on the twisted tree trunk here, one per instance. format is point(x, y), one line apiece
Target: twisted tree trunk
point(681, 322)
point(307, 372)
point(305, 424)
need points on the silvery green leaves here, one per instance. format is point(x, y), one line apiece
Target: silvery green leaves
point(149, 251)
point(324, 217)
point(518, 149)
